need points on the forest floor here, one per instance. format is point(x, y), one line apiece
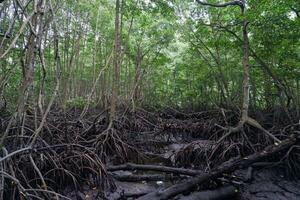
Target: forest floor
point(155, 155)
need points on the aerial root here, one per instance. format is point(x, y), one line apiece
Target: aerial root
point(240, 126)
point(110, 142)
point(46, 170)
point(69, 150)
point(244, 138)
point(291, 161)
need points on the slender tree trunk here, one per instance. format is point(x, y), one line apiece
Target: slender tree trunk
point(246, 66)
point(137, 76)
point(28, 64)
point(117, 62)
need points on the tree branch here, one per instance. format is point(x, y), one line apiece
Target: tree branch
point(222, 5)
point(7, 36)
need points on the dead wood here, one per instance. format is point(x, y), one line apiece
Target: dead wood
point(226, 167)
point(147, 177)
point(131, 166)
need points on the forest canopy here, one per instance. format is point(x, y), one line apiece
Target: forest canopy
point(173, 53)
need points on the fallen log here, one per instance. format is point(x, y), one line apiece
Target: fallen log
point(131, 166)
point(148, 177)
point(226, 167)
point(228, 192)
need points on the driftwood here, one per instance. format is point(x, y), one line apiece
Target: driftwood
point(131, 166)
point(226, 167)
point(219, 194)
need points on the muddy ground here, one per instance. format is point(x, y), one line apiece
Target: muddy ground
point(266, 185)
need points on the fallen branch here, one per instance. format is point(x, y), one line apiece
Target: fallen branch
point(226, 167)
point(137, 178)
point(131, 166)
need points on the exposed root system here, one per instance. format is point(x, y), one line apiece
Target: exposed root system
point(81, 152)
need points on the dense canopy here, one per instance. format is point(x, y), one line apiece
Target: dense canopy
point(173, 53)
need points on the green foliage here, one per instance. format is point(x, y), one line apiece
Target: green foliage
point(78, 102)
point(189, 54)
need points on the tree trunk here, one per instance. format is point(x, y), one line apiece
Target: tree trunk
point(28, 64)
point(246, 66)
point(117, 62)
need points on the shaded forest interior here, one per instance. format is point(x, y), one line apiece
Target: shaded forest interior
point(149, 99)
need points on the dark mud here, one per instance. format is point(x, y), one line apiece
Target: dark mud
point(266, 185)
point(270, 184)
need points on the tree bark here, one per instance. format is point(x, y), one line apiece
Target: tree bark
point(117, 62)
point(30, 54)
point(246, 66)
